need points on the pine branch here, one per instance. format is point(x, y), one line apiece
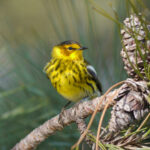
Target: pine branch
point(80, 110)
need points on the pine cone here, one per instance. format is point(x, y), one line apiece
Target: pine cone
point(131, 105)
point(133, 33)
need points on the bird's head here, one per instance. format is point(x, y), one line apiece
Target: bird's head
point(68, 50)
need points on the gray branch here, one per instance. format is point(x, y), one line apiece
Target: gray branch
point(79, 110)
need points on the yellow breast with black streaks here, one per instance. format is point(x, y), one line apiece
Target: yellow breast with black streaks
point(71, 79)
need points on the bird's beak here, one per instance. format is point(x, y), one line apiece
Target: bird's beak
point(82, 48)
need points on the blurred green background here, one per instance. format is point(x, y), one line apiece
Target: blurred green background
point(28, 31)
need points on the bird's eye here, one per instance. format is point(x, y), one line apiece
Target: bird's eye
point(70, 48)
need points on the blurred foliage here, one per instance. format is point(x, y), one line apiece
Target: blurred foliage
point(28, 31)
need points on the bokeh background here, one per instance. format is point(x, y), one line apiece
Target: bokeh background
point(28, 31)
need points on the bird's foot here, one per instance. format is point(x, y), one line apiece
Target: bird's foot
point(61, 115)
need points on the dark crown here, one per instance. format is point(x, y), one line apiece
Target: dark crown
point(69, 42)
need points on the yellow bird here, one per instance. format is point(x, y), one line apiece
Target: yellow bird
point(72, 76)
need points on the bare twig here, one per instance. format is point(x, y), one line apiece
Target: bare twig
point(80, 110)
point(101, 119)
point(144, 121)
point(82, 127)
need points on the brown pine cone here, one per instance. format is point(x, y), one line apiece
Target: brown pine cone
point(133, 40)
point(131, 105)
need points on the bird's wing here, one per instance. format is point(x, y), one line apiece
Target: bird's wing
point(91, 70)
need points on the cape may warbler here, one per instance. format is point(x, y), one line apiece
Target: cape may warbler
point(72, 76)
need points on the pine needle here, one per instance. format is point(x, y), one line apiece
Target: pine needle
point(144, 121)
point(104, 111)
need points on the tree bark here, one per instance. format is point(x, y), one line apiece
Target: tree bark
point(79, 110)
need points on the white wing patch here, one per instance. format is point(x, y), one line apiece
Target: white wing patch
point(92, 70)
point(93, 73)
